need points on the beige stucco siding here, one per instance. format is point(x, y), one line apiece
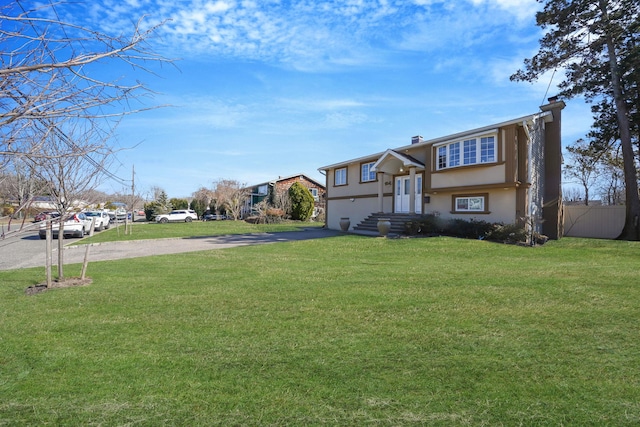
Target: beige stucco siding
point(353, 187)
point(355, 200)
point(356, 211)
point(461, 177)
point(501, 207)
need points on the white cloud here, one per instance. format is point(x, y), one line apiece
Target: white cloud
point(521, 9)
point(321, 104)
point(344, 120)
point(310, 35)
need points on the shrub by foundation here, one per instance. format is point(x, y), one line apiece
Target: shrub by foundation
point(433, 225)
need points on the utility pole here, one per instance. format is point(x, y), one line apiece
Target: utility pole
point(133, 198)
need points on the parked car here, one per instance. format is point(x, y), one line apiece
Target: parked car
point(118, 215)
point(45, 215)
point(180, 215)
point(76, 226)
point(213, 217)
point(103, 221)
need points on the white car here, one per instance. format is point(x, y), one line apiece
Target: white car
point(77, 225)
point(102, 219)
point(117, 215)
point(179, 215)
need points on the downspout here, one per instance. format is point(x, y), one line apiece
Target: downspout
point(323, 172)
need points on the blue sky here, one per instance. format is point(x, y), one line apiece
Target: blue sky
point(275, 88)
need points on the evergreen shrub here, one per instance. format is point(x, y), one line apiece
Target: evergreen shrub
point(433, 225)
point(301, 202)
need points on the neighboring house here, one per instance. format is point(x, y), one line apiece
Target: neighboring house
point(48, 203)
point(507, 172)
point(45, 203)
point(270, 189)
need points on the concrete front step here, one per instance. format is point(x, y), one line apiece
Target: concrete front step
point(370, 224)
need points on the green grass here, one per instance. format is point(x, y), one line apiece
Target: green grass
point(144, 231)
point(339, 331)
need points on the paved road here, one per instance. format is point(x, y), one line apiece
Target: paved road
point(141, 248)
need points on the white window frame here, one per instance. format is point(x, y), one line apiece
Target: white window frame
point(442, 157)
point(314, 193)
point(470, 146)
point(453, 154)
point(340, 176)
point(366, 175)
point(473, 203)
point(484, 152)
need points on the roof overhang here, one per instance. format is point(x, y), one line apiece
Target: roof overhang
point(546, 116)
point(392, 162)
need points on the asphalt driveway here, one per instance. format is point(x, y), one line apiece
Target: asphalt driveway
point(142, 248)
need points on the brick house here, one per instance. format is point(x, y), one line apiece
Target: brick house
point(271, 189)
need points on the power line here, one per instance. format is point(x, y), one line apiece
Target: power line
point(548, 87)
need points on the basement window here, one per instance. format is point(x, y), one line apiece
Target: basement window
point(476, 203)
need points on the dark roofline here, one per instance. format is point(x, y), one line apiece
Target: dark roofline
point(285, 178)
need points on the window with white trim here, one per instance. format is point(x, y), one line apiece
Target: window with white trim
point(467, 152)
point(487, 149)
point(340, 177)
point(314, 193)
point(469, 157)
point(469, 204)
point(442, 157)
point(454, 154)
point(366, 174)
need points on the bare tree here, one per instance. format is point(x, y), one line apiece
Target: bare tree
point(47, 68)
point(612, 184)
point(73, 159)
point(583, 166)
point(206, 195)
point(572, 194)
point(282, 201)
point(232, 195)
point(56, 114)
point(203, 200)
point(48, 74)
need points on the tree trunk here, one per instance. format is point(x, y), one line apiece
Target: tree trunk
point(48, 249)
point(60, 249)
point(631, 230)
point(586, 195)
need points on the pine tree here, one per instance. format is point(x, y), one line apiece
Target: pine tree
point(597, 43)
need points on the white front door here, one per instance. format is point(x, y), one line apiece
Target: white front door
point(402, 197)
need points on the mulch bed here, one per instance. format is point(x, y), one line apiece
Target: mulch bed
point(58, 284)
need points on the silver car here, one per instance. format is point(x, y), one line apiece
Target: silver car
point(77, 225)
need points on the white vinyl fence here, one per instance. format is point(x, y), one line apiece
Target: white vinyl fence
point(600, 222)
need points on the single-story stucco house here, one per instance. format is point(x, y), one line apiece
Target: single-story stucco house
point(507, 172)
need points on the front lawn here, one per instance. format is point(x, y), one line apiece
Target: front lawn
point(349, 330)
point(152, 230)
